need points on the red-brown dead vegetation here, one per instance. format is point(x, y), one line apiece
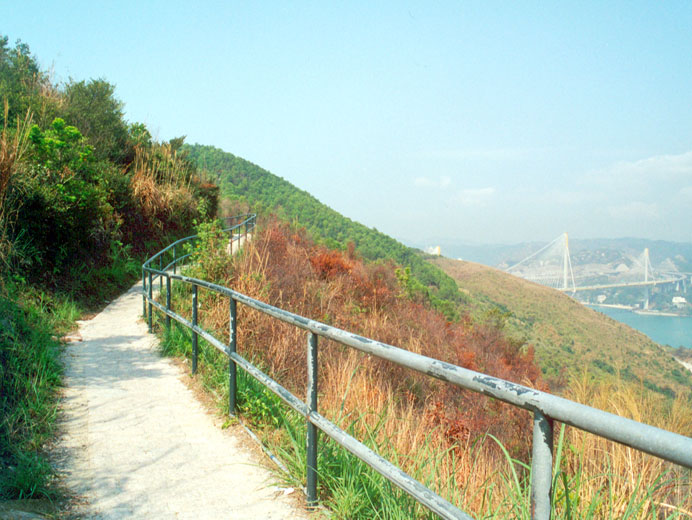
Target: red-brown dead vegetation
point(284, 268)
point(328, 264)
point(413, 414)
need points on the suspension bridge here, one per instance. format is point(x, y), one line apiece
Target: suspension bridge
point(552, 266)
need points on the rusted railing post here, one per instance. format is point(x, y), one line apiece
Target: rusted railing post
point(150, 290)
point(541, 467)
point(168, 302)
point(232, 345)
point(194, 324)
point(312, 429)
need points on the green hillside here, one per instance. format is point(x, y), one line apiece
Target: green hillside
point(567, 336)
point(243, 181)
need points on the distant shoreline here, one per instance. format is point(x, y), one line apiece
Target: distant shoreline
point(637, 311)
point(659, 313)
point(611, 306)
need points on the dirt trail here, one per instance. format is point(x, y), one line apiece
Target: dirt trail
point(137, 443)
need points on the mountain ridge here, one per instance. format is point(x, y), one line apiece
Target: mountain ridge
point(496, 254)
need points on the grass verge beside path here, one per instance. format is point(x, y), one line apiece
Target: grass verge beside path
point(592, 478)
point(30, 374)
point(32, 321)
point(584, 485)
point(347, 485)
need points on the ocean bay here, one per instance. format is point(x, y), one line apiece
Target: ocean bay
point(667, 330)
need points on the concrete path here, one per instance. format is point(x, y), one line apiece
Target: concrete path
point(137, 442)
point(237, 243)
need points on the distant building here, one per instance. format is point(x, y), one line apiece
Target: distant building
point(679, 301)
point(436, 251)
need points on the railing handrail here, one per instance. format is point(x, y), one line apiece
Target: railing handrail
point(249, 218)
point(545, 407)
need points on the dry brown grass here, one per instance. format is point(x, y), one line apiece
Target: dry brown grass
point(615, 474)
point(565, 333)
point(162, 165)
point(411, 414)
point(13, 145)
point(428, 428)
point(161, 185)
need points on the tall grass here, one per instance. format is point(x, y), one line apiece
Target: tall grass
point(160, 184)
point(611, 479)
point(405, 419)
point(161, 163)
point(30, 373)
point(168, 191)
point(13, 145)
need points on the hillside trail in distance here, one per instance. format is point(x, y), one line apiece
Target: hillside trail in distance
point(137, 444)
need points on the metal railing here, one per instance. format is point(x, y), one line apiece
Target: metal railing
point(545, 407)
point(238, 228)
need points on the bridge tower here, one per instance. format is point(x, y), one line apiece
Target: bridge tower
point(550, 265)
point(566, 263)
point(647, 289)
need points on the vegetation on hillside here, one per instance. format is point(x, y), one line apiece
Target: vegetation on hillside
point(570, 338)
point(84, 195)
point(243, 182)
point(469, 448)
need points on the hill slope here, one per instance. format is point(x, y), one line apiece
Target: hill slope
point(567, 335)
point(243, 181)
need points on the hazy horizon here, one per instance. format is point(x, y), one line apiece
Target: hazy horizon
point(491, 123)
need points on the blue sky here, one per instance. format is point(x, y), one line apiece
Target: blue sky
point(475, 122)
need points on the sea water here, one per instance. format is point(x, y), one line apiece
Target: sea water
point(675, 331)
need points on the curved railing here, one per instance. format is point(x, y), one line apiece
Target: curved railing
point(238, 228)
point(545, 407)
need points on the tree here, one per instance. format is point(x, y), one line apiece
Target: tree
point(93, 108)
point(140, 136)
point(22, 84)
point(176, 143)
point(59, 148)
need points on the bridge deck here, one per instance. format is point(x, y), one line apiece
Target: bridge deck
point(615, 285)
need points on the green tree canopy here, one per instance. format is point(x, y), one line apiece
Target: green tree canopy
point(21, 80)
point(92, 107)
